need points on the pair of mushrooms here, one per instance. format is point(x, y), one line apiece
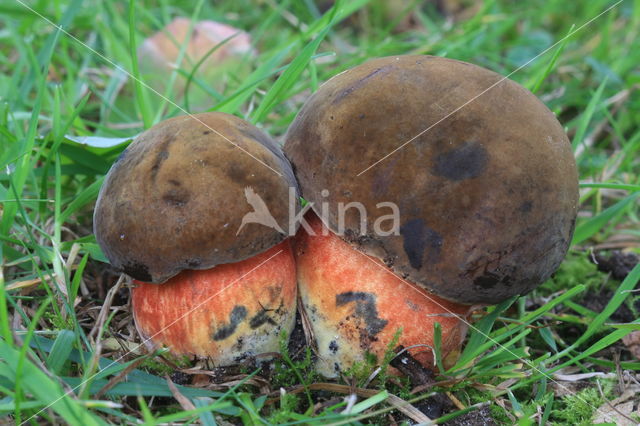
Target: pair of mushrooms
point(484, 205)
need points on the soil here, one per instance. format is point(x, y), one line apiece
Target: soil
point(619, 264)
point(481, 417)
point(297, 341)
point(432, 407)
point(598, 301)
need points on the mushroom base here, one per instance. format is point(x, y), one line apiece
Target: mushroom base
point(226, 314)
point(357, 305)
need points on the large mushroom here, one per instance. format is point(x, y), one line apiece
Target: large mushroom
point(356, 304)
point(204, 202)
point(457, 179)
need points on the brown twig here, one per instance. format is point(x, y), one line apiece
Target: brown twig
point(182, 400)
point(106, 306)
point(612, 406)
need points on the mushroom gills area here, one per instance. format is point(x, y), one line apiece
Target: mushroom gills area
point(356, 305)
point(227, 313)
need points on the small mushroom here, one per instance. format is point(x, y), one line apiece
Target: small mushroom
point(460, 180)
point(227, 313)
point(203, 202)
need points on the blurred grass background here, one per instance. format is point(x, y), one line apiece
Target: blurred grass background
point(68, 96)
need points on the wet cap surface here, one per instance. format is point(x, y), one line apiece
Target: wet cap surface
point(487, 197)
point(177, 196)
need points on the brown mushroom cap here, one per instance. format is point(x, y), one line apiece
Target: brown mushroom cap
point(487, 197)
point(176, 197)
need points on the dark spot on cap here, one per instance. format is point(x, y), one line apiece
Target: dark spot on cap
point(419, 239)
point(358, 84)
point(206, 132)
point(526, 206)
point(467, 161)
point(162, 155)
point(488, 280)
point(261, 318)
point(365, 308)
point(333, 346)
point(238, 314)
point(137, 271)
point(174, 182)
point(194, 263)
point(176, 197)
point(236, 173)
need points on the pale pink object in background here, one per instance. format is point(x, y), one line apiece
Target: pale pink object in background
point(158, 57)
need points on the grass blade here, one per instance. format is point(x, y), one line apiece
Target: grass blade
point(142, 97)
point(290, 76)
point(585, 119)
point(595, 224)
point(621, 294)
point(60, 351)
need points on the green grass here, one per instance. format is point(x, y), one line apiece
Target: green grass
point(56, 88)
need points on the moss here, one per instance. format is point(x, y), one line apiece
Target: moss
point(288, 404)
point(156, 367)
point(576, 269)
point(360, 371)
point(580, 407)
point(303, 368)
point(58, 322)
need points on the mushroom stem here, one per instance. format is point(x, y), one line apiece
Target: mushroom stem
point(356, 304)
point(226, 313)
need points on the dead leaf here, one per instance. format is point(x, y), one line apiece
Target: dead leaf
point(622, 409)
point(184, 402)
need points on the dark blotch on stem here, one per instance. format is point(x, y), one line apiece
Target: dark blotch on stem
point(365, 309)
point(261, 318)
point(238, 314)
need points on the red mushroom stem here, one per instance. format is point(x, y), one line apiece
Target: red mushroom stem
point(227, 313)
point(356, 304)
